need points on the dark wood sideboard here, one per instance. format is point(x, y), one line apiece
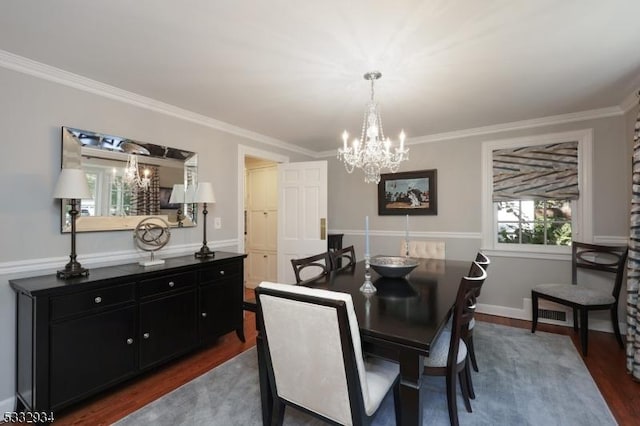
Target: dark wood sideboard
point(78, 337)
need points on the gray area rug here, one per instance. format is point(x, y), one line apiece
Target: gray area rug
point(524, 379)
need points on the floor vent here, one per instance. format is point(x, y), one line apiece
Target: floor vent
point(552, 315)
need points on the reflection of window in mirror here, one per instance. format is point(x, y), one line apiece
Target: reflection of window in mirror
point(120, 200)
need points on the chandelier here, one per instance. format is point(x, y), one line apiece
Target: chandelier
point(132, 174)
point(372, 152)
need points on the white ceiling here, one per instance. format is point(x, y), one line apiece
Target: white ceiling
point(292, 70)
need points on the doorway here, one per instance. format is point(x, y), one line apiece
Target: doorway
point(258, 208)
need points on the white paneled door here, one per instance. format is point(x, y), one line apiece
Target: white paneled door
point(302, 213)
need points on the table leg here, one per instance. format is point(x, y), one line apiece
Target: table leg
point(411, 366)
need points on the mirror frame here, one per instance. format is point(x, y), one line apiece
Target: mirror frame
point(79, 145)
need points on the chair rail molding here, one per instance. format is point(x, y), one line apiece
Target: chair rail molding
point(414, 234)
point(50, 264)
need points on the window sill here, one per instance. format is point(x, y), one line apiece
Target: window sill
point(528, 254)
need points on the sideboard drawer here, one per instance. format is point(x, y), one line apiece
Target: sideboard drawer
point(89, 301)
point(167, 283)
point(216, 272)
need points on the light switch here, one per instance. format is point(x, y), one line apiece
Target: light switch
point(217, 222)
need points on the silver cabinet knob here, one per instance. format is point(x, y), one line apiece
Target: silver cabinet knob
point(171, 283)
point(221, 272)
point(204, 315)
point(145, 335)
point(129, 341)
point(98, 299)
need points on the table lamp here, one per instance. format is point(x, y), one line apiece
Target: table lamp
point(204, 194)
point(178, 197)
point(72, 186)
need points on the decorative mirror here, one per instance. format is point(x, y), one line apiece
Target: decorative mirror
point(129, 181)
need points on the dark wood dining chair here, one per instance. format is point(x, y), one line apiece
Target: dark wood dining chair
point(343, 258)
point(315, 267)
point(313, 356)
point(582, 300)
point(484, 262)
point(448, 355)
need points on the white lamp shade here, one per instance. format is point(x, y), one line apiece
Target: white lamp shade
point(204, 193)
point(72, 184)
point(177, 194)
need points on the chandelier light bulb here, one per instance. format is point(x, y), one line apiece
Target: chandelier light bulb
point(372, 152)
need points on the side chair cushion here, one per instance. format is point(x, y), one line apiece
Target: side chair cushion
point(575, 294)
point(440, 351)
point(376, 377)
point(449, 324)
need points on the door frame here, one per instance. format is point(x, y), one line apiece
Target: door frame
point(244, 151)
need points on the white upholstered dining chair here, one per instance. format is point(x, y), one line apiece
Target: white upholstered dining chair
point(314, 356)
point(423, 249)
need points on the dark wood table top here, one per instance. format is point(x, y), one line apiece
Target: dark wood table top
point(408, 312)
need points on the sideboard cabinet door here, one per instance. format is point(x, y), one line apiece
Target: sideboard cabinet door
point(89, 353)
point(168, 327)
point(221, 289)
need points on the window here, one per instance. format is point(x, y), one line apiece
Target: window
point(546, 222)
point(536, 194)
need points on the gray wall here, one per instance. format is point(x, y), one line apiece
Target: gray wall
point(32, 111)
point(459, 196)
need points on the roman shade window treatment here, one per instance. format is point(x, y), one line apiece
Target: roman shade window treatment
point(537, 172)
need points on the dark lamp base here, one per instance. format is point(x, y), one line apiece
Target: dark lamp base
point(205, 252)
point(70, 272)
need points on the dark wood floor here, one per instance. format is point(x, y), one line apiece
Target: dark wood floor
point(605, 362)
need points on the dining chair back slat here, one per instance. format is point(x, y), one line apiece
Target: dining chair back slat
point(343, 258)
point(311, 268)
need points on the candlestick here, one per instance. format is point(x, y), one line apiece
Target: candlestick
point(406, 229)
point(406, 236)
point(366, 236)
point(367, 287)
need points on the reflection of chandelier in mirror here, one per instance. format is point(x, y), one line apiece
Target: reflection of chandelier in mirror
point(132, 174)
point(372, 152)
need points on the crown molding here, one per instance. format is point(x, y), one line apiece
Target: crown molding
point(630, 101)
point(24, 65)
point(506, 127)
point(519, 125)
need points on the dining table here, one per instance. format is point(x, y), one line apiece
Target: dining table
point(399, 322)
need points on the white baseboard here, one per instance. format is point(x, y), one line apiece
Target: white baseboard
point(525, 314)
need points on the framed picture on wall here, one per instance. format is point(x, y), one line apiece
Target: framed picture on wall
point(413, 193)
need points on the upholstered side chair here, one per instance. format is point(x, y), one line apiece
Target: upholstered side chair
point(580, 298)
point(448, 356)
point(314, 356)
point(423, 249)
